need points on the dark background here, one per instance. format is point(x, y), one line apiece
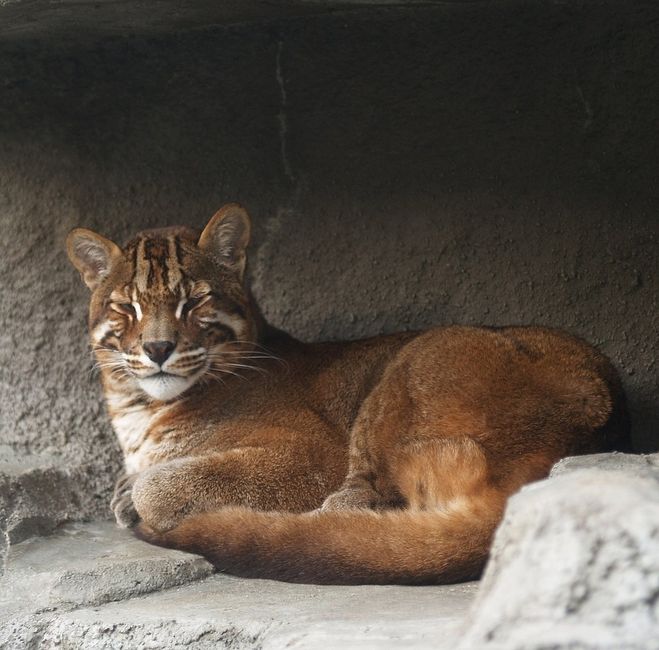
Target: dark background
point(476, 162)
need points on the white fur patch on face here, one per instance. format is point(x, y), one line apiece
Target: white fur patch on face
point(101, 330)
point(179, 308)
point(138, 310)
point(164, 387)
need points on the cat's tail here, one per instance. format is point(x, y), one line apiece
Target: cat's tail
point(343, 547)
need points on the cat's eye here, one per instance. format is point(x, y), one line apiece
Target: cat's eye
point(127, 309)
point(191, 303)
point(187, 305)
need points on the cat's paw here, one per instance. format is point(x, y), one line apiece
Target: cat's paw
point(352, 498)
point(122, 502)
point(161, 495)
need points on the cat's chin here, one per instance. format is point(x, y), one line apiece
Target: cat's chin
point(163, 387)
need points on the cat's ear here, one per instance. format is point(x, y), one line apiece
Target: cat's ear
point(92, 254)
point(226, 237)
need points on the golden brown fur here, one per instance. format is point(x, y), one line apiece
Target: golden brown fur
point(403, 447)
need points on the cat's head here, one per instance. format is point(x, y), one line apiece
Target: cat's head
point(170, 307)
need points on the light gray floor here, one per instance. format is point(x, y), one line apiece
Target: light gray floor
point(87, 587)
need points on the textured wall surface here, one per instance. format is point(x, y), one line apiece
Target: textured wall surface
point(485, 163)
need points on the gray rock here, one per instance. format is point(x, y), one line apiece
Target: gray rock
point(227, 612)
point(89, 565)
point(36, 495)
point(56, 593)
point(575, 565)
point(646, 464)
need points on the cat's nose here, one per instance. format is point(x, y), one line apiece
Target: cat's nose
point(158, 351)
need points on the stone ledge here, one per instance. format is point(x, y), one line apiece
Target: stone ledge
point(223, 611)
point(36, 496)
point(84, 20)
point(56, 591)
point(90, 564)
point(575, 563)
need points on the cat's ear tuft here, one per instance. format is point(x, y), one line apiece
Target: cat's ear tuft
point(92, 254)
point(226, 237)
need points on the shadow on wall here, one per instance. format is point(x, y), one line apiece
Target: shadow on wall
point(404, 167)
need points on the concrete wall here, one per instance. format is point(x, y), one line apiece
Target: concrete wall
point(476, 163)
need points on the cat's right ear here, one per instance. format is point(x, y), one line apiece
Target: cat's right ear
point(92, 254)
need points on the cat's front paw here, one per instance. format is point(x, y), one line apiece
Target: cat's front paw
point(162, 495)
point(122, 502)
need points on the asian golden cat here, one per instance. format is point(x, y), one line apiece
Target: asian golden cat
point(385, 460)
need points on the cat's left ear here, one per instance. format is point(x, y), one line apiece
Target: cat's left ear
point(226, 237)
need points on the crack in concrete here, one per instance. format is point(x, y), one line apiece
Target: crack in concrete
point(281, 116)
point(273, 224)
point(588, 109)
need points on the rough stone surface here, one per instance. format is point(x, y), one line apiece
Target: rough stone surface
point(632, 464)
point(56, 593)
point(467, 162)
point(575, 565)
point(89, 20)
point(228, 612)
point(36, 496)
point(90, 564)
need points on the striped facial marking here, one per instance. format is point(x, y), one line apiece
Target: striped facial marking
point(171, 317)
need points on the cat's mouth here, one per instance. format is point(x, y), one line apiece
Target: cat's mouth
point(165, 386)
